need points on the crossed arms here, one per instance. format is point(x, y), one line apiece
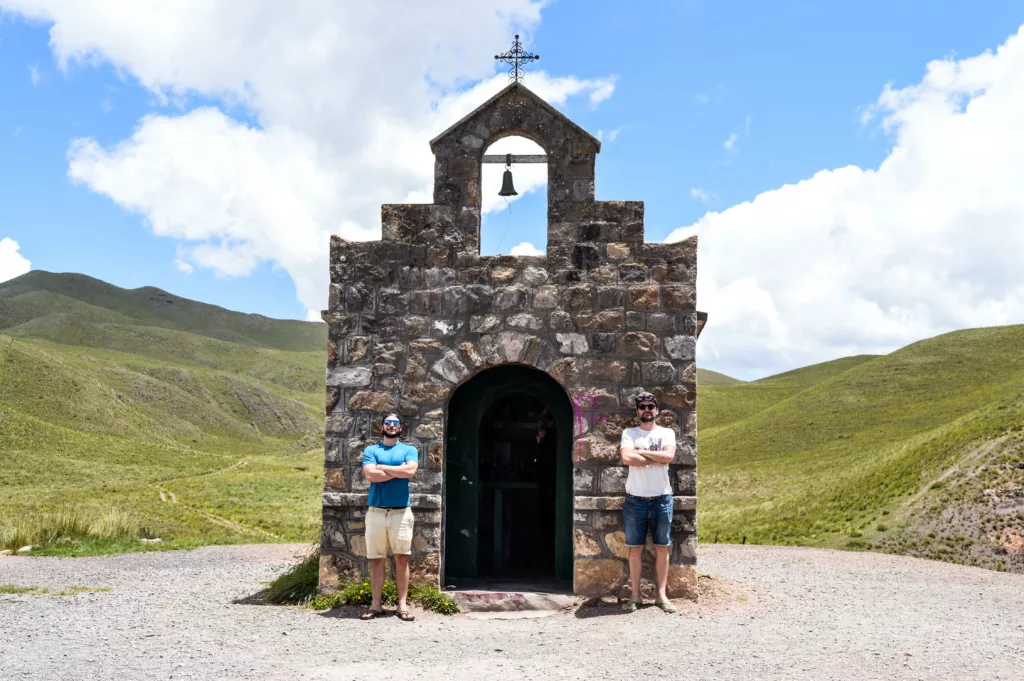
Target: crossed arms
point(638, 457)
point(377, 472)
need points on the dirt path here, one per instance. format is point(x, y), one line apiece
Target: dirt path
point(971, 457)
point(167, 496)
point(777, 613)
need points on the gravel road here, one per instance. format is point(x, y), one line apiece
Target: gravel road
point(770, 613)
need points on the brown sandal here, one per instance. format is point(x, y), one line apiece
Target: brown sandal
point(405, 615)
point(370, 614)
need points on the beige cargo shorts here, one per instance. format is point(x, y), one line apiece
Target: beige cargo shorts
point(388, 527)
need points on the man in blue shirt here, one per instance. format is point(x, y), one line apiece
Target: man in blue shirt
point(388, 467)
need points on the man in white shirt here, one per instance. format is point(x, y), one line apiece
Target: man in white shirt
point(648, 450)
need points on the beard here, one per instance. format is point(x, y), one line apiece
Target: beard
point(646, 417)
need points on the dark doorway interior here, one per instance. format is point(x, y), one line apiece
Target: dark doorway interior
point(517, 485)
point(508, 481)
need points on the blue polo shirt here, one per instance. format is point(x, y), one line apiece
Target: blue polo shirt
point(393, 492)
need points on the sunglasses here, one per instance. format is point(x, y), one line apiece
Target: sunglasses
point(646, 407)
point(392, 422)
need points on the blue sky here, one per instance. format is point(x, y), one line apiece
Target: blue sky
point(787, 82)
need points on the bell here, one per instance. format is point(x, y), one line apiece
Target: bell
point(506, 180)
point(506, 185)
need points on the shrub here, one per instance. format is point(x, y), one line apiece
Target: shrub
point(14, 537)
point(116, 524)
point(66, 525)
point(431, 598)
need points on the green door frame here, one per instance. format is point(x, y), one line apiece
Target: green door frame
point(461, 491)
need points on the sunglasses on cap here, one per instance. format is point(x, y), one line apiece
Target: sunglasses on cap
point(392, 422)
point(646, 407)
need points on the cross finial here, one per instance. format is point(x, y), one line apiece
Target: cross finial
point(516, 56)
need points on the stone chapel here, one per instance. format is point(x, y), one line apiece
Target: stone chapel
point(514, 375)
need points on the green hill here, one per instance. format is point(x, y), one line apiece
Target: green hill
point(205, 425)
point(114, 397)
point(847, 452)
point(709, 377)
point(38, 294)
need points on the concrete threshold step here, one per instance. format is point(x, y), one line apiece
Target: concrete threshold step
point(479, 600)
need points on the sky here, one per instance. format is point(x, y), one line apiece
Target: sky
point(853, 171)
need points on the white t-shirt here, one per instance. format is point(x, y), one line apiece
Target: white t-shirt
point(651, 480)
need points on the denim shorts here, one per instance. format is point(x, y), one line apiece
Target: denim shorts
point(639, 515)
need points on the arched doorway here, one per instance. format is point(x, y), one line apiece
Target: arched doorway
point(508, 479)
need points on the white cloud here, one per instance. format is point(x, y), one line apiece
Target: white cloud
point(865, 261)
point(701, 195)
point(730, 144)
point(33, 74)
point(183, 266)
point(602, 91)
point(525, 248)
point(610, 135)
point(12, 263)
point(334, 138)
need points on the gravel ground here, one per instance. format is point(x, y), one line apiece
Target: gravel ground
point(768, 613)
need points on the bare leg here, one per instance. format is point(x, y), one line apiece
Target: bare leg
point(376, 581)
point(635, 568)
point(402, 578)
point(661, 571)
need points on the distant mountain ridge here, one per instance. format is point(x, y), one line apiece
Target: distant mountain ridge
point(38, 293)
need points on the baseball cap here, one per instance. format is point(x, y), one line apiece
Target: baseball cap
point(644, 397)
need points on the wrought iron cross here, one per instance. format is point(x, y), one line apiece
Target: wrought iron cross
point(516, 56)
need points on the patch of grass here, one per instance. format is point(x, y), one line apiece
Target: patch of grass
point(109, 547)
point(71, 531)
point(433, 599)
point(72, 590)
point(116, 524)
point(360, 593)
point(14, 589)
point(298, 586)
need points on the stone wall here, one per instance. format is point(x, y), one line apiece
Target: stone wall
point(416, 314)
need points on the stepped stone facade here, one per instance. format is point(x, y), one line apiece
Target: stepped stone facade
point(419, 312)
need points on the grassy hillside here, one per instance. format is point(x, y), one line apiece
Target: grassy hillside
point(830, 454)
point(205, 425)
point(709, 377)
point(200, 423)
point(731, 402)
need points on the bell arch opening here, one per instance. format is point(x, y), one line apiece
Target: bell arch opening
point(514, 225)
point(508, 480)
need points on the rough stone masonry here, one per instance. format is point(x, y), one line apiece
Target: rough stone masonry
point(419, 312)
